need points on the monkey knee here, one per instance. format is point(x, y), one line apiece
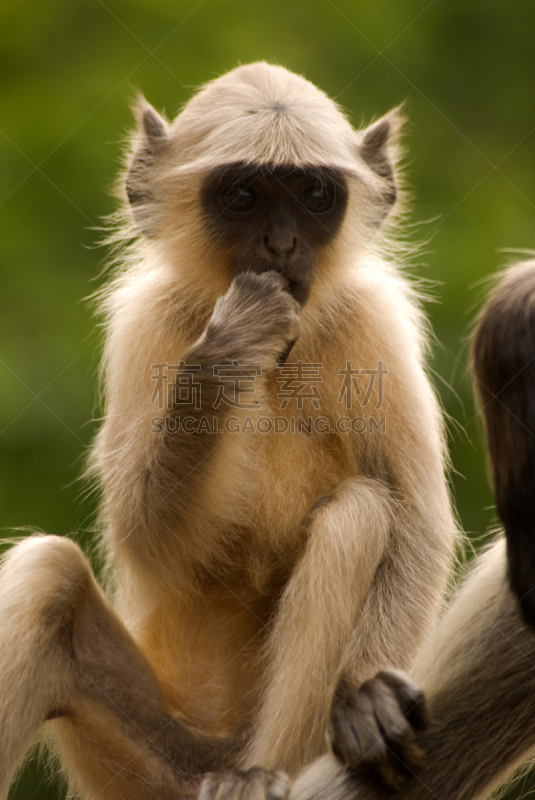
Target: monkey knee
point(56, 560)
point(43, 577)
point(41, 583)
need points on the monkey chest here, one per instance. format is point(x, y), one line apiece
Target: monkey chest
point(289, 471)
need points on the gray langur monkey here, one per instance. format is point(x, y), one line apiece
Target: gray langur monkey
point(275, 549)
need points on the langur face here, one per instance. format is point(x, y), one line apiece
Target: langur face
point(275, 218)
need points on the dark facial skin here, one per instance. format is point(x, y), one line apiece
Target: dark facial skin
point(275, 218)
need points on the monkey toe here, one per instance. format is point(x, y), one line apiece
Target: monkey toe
point(252, 784)
point(377, 728)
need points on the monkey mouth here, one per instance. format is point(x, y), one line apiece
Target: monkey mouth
point(300, 291)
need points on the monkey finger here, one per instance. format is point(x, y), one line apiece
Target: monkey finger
point(354, 734)
point(409, 696)
point(402, 755)
point(375, 729)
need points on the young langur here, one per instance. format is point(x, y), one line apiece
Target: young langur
point(477, 668)
point(274, 547)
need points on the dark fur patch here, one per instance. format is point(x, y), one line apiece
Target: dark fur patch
point(504, 364)
point(279, 232)
point(55, 713)
point(322, 501)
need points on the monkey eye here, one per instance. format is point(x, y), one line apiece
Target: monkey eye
point(318, 199)
point(240, 198)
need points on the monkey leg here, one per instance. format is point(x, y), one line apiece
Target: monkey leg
point(478, 673)
point(346, 538)
point(66, 658)
point(35, 675)
point(362, 598)
point(251, 784)
point(178, 481)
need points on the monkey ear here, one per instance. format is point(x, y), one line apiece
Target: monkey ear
point(153, 126)
point(151, 141)
point(379, 147)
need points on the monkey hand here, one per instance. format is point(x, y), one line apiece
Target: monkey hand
point(256, 321)
point(376, 730)
point(252, 784)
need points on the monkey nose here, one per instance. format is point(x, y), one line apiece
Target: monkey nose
point(280, 244)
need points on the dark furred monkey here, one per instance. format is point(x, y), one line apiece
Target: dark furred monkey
point(504, 363)
point(256, 571)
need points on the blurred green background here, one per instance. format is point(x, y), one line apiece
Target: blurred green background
point(68, 71)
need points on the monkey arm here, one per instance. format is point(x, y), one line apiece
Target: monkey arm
point(67, 660)
point(254, 324)
point(183, 475)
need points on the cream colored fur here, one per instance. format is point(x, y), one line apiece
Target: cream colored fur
point(244, 602)
point(361, 309)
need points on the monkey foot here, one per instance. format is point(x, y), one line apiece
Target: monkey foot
point(251, 784)
point(376, 729)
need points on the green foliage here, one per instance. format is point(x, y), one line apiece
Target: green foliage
point(68, 72)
